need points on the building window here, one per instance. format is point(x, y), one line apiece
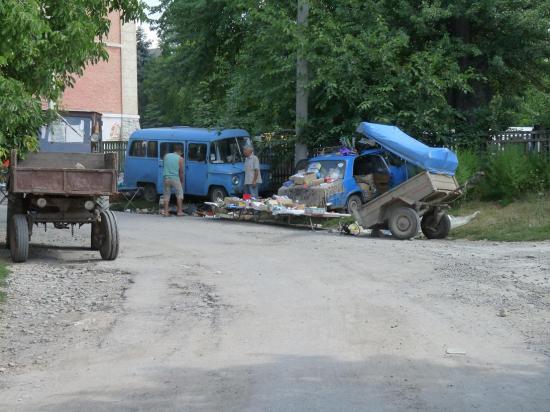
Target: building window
point(196, 152)
point(138, 148)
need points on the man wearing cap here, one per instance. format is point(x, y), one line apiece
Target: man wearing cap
point(252, 175)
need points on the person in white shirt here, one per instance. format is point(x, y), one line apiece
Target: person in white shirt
point(252, 175)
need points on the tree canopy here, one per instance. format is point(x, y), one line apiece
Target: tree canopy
point(437, 68)
point(45, 44)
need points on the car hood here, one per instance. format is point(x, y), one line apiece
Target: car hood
point(433, 159)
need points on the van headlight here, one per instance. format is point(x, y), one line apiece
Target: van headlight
point(235, 180)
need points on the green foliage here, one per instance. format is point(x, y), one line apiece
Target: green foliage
point(511, 174)
point(438, 69)
point(469, 163)
point(45, 44)
point(527, 219)
point(4, 272)
point(143, 57)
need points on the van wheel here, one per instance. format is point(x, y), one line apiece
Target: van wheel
point(436, 231)
point(217, 194)
point(150, 192)
point(353, 204)
point(404, 223)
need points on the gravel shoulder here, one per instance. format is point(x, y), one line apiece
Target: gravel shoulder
point(208, 315)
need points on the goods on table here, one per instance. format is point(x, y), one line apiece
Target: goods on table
point(276, 205)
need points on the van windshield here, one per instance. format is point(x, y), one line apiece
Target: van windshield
point(229, 150)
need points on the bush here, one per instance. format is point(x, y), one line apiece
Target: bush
point(469, 162)
point(511, 173)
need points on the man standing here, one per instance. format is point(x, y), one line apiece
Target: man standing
point(173, 178)
point(252, 175)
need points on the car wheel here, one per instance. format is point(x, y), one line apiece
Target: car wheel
point(435, 231)
point(217, 194)
point(404, 223)
point(353, 204)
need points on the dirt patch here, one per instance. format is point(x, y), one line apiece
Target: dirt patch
point(48, 307)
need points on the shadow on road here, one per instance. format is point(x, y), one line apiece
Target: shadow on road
point(315, 383)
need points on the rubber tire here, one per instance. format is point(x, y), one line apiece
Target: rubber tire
point(407, 216)
point(353, 199)
point(216, 193)
point(441, 231)
point(15, 206)
point(103, 203)
point(95, 235)
point(19, 238)
point(150, 193)
point(109, 245)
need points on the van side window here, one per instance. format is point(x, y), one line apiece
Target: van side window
point(196, 152)
point(169, 147)
point(138, 148)
point(152, 149)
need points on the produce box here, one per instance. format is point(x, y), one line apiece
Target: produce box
point(303, 179)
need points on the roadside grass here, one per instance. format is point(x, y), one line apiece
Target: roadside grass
point(521, 220)
point(4, 272)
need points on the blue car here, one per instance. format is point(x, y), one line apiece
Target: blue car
point(386, 167)
point(214, 163)
point(395, 158)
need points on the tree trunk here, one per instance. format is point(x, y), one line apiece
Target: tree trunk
point(302, 94)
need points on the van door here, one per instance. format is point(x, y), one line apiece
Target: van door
point(196, 169)
point(141, 163)
point(165, 148)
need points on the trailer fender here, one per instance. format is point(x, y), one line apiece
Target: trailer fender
point(394, 204)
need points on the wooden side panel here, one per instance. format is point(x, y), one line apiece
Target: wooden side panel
point(32, 181)
point(63, 160)
point(444, 182)
point(64, 182)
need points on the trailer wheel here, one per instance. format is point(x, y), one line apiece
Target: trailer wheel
point(103, 203)
point(15, 206)
point(109, 245)
point(404, 223)
point(95, 235)
point(19, 238)
point(436, 231)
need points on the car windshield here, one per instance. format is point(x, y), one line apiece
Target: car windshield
point(229, 150)
point(329, 168)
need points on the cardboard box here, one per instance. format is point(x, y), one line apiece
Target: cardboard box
point(232, 201)
point(317, 182)
point(364, 179)
point(303, 179)
point(365, 187)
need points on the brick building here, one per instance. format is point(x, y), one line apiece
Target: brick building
point(103, 104)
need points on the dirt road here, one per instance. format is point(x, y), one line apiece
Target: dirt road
point(205, 315)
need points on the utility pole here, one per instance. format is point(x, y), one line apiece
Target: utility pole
point(302, 94)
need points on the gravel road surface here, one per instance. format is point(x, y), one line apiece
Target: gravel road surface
point(204, 315)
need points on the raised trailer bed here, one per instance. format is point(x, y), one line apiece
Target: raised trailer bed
point(425, 196)
point(64, 189)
